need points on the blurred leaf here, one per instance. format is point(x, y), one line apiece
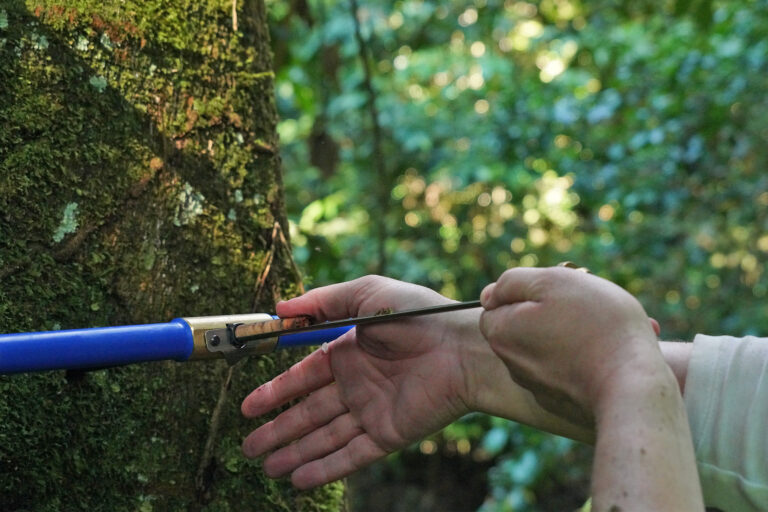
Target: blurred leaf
point(629, 137)
point(495, 440)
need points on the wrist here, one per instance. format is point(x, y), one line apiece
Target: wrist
point(641, 390)
point(463, 334)
point(629, 368)
point(489, 388)
point(486, 384)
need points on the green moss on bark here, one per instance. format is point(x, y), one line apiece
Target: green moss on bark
point(138, 182)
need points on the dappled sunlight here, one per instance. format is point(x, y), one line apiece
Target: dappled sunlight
point(630, 140)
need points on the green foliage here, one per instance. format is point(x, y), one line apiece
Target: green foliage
point(628, 137)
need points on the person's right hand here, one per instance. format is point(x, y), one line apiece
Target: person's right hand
point(587, 350)
point(380, 387)
point(570, 337)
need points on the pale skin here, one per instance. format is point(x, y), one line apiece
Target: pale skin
point(587, 351)
point(382, 387)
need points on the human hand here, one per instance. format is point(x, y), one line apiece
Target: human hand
point(378, 388)
point(568, 337)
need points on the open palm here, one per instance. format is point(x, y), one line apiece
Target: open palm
point(376, 390)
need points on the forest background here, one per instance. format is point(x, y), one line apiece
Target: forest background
point(441, 142)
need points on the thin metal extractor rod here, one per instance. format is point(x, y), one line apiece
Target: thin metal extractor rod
point(363, 320)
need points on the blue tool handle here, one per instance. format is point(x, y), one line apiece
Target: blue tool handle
point(311, 337)
point(95, 348)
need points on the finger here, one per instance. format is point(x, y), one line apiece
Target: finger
point(331, 302)
point(485, 295)
point(514, 285)
point(508, 322)
point(363, 296)
point(314, 445)
point(358, 453)
point(316, 410)
point(655, 326)
point(309, 374)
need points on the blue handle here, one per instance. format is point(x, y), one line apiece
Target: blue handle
point(311, 337)
point(95, 348)
point(113, 346)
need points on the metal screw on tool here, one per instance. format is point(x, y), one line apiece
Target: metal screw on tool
point(215, 340)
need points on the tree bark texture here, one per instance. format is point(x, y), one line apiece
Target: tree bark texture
point(139, 181)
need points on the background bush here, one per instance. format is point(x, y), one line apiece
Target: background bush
point(628, 137)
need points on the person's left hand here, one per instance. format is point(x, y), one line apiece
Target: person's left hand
point(382, 387)
point(378, 389)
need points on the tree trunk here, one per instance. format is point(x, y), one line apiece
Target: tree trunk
point(139, 182)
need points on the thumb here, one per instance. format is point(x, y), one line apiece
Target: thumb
point(327, 303)
point(334, 302)
point(513, 286)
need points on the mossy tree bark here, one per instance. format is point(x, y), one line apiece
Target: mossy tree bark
point(139, 182)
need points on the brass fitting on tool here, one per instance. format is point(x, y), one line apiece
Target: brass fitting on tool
point(202, 324)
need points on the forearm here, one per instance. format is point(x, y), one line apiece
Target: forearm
point(518, 404)
point(490, 389)
point(677, 354)
point(644, 457)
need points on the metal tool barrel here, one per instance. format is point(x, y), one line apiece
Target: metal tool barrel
point(95, 348)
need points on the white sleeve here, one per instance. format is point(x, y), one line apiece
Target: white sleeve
point(726, 396)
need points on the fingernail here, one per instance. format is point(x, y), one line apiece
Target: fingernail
point(485, 295)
